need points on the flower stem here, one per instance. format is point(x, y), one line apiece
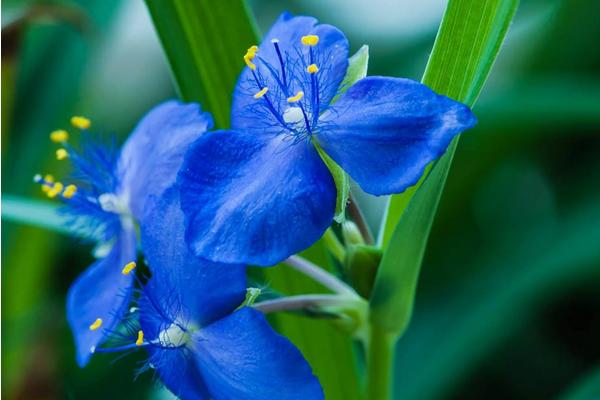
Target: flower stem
point(301, 302)
point(334, 245)
point(380, 359)
point(320, 275)
point(359, 220)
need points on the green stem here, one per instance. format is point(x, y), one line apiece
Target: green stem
point(380, 358)
point(334, 246)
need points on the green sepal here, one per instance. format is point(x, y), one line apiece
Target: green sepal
point(342, 184)
point(357, 69)
point(252, 294)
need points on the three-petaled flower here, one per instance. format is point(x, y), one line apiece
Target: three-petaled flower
point(113, 189)
point(261, 191)
point(201, 343)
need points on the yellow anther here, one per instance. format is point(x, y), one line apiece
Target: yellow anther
point(249, 56)
point(248, 60)
point(61, 154)
point(69, 191)
point(296, 98)
point(261, 93)
point(55, 190)
point(97, 324)
point(48, 180)
point(310, 40)
point(312, 69)
point(59, 136)
point(140, 339)
point(128, 268)
point(80, 122)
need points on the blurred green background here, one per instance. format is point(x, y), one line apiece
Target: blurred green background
point(509, 300)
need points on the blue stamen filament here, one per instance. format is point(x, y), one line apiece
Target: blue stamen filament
point(270, 105)
point(297, 98)
point(134, 346)
point(283, 77)
point(163, 341)
point(119, 349)
point(305, 119)
point(314, 87)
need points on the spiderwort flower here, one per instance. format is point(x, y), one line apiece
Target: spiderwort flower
point(260, 192)
point(199, 344)
point(113, 189)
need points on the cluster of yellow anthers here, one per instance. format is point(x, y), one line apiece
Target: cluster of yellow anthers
point(127, 269)
point(308, 40)
point(61, 136)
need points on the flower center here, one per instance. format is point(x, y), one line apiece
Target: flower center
point(110, 202)
point(289, 91)
point(174, 336)
point(294, 117)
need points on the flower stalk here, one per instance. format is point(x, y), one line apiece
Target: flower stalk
point(360, 221)
point(320, 275)
point(303, 302)
point(380, 358)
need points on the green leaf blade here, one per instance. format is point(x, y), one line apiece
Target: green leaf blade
point(464, 51)
point(33, 212)
point(461, 60)
point(205, 56)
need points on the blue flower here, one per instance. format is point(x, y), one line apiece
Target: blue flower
point(113, 190)
point(200, 346)
point(260, 192)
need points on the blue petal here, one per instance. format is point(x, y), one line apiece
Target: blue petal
point(242, 358)
point(330, 54)
point(102, 291)
point(385, 131)
point(177, 370)
point(184, 287)
point(152, 155)
point(254, 199)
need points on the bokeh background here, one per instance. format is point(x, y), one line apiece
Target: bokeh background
point(509, 300)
